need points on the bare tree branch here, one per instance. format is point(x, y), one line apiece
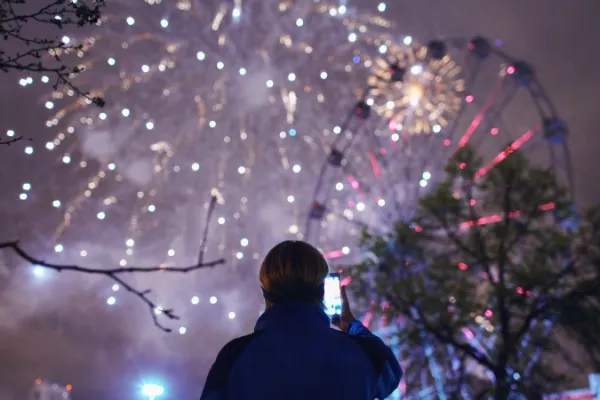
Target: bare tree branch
point(211, 208)
point(440, 334)
point(544, 302)
point(449, 339)
point(42, 54)
point(10, 141)
point(115, 275)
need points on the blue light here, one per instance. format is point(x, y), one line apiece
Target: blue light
point(356, 59)
point(152, 391)
point(292, 132)
point(39, 272)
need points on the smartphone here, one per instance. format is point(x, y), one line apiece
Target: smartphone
point(333, 296)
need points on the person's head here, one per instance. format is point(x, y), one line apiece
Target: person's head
point(293, 271)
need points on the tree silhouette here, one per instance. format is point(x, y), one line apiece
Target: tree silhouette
point(116, 274)
point(489, 291)
point(30, 46)
point(33, 40)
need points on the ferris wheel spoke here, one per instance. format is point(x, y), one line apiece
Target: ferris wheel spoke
point(384, 161)
point(320, 209)
point(353, 125)
point(450, 133)
point(376, 158)
point(397, 171)
point(494, 114)
point(508, 150)
point(480, 115)
point(357, 182)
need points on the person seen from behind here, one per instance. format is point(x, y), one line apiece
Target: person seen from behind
point(293, 353)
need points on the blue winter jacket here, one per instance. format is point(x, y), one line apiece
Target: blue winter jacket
point(294, 354)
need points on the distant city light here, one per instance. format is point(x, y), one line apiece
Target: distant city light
point(152, 391)
point(38, 271)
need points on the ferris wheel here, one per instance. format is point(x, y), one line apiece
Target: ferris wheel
point(421, 103)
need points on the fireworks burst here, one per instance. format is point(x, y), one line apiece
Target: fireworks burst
point(238, 101)
point(415, 92)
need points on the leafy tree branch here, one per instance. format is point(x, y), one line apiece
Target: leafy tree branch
point(498, 257)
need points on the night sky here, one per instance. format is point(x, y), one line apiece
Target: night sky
point(105, 355)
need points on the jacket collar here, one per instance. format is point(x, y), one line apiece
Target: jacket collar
point(292, 314)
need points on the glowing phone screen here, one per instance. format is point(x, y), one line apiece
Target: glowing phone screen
point(333, 296)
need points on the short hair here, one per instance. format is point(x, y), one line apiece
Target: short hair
point(291, 265)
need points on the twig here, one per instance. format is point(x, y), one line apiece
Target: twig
point(114, 274)
point(8, 142)
point(441, 335)
point(211, 208)
point(42, 54)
